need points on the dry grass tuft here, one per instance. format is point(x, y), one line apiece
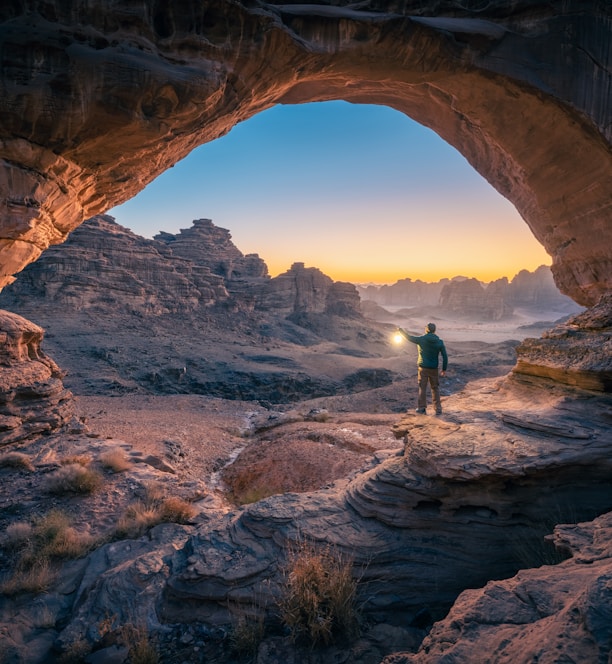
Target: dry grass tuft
point(80, 459)
point(177, 510)
point(17, 535)
point(16, 460)
point(74, 478)
point(246, 636)
point(115, 460)
point(319, 592)
point(35, 579)
point(154, 508)
point(75, 653)
point(142, 648)
point(34, 546)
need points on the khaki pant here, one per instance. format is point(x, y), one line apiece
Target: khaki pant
point(431, 376)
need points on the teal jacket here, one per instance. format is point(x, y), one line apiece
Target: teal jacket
point(430, 346)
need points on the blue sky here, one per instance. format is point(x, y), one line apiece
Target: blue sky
point(362, 192)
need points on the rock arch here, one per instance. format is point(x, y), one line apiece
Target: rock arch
point(97, 99)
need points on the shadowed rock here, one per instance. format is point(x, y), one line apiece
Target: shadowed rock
point(549, 614)
point(97, 102)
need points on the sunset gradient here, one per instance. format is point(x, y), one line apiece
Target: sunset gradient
point(361, 192)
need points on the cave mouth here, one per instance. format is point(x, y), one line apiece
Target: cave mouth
point(355, 189)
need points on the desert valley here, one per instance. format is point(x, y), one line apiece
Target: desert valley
point(202, 463)
point(199, 399)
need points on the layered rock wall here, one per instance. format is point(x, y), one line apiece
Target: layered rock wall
point(98, 99)
point(33, 399)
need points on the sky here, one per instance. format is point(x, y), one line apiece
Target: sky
point(362, 192)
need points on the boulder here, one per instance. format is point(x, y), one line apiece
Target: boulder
point(33, 399)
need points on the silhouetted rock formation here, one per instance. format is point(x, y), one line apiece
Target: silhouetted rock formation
point(404, 293)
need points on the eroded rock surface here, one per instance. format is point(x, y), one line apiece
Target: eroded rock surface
point(97, 101)
point(578, 352)
point(33, 399)
point(471, 499)
point(549, 614)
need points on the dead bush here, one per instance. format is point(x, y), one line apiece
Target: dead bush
point(153, 509)
point(35, 546)
point(142, 648)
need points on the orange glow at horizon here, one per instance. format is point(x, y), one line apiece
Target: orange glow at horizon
point(470, 247)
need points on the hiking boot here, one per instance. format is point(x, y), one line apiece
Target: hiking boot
point(438, 411)
point(420, 411)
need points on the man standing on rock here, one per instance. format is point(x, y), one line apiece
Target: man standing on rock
point(430, 347)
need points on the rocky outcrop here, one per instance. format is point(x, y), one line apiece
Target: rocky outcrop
point(209, 246)
point(105, 267)
point(469, 298)
point(97, 102)
point(577, 352)
point(532, 290)
point(537, 288)
point(124, 313)
point(464, 504)
point(404, 292)
point(549, 614)
point(303, 289)
point(33, 399)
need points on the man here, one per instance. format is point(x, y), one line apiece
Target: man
point(430, 347)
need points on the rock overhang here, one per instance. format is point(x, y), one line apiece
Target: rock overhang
point(97, 101)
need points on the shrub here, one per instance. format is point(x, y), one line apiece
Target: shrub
point(246, 635)
point(115, 460)
point(36, 545)
point(318, 596)
point(142, 649)
point(80, 459)
point(16, 460)
point(17, 535)
point(74, 478)
point(153, 509)
point(177, 510)
point(35, 579)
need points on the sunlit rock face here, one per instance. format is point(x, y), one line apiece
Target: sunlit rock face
point(578, 352)
point(32, 397)
point(97, 99)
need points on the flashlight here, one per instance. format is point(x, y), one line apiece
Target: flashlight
point(398, 338)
